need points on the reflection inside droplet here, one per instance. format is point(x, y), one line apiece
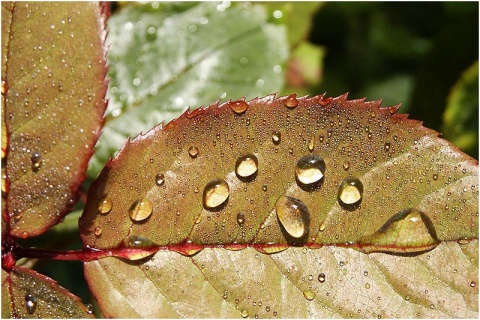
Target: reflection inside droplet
point(350, 191)
point(215, 193)
point(246, 165)
point(310, 169)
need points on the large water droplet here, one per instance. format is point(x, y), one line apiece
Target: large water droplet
point(238, 106)
point(310, 169)
point(244, 313)
point(140, 247)
point(276, 137)
point(104, 205)
point(309, 295)
point(141, 209)
point(294, 216)
point(246, 166)
point(408, 231)
point(30, 303)
point(193, 152)
point(350, 191)
point(215, 193)
point(291, 101)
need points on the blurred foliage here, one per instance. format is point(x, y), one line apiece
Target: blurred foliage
point(408, 53)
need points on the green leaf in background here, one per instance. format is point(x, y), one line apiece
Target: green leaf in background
point(460, 119)
point(54, 81)
point(166, 57)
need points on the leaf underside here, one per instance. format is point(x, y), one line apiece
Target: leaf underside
point(53, 74)
point(418, 192)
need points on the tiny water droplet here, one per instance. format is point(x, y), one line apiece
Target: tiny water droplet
point(264, 187)
point(238, 106)
point(141, 209)
point(193, 152)
point(310, 169)
point(435, 176)
point(160, 179)
point(322, 226)
point(240, 218)
point(293, 215)
point(36, 159)
point(387, 146)
point(291, 101)
point(409, 230)
point(244, 313)
point(97, 232)
point(309, 295)
point(350, 191)
point(246, 166)
point(276, 137)
point(215, 193)
point(321, 277)
point(346, 165)
point(30, 303)
point(89, 308)
point(311, 144)
point(310, 277)
point(473, 284)
point(104, 205)
point(367, 285)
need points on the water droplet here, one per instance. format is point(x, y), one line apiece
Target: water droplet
point(291, 101)
point(310, 277)
point(264, 187)
point(321, 277)
point(311, 144)
point(387, 146)
point(238, 106)
point(244, 313)
point(36, 159)
point(246, 166)
point(89, 308)
point(408, 231)
point(141, 209)
point(97, 232)
point(160, 179)
point(193, 152)
point(30, 303)
point(435, 176)
point(367, 285)
point(350, 191)
point(293, 215)
point(473, 284)
point(240, 218)
point(104, 205)
point(276, 137)
point(215, 193)
point(310, 169)
point(309, 295)
point(346, 165)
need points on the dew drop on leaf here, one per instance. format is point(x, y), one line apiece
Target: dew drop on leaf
point(138, 242)
point(309, 294)
point(311, 144)
point(244, 313)
point(321, 277)
point(409, 230)
point(193, 152)
point(246, 166)
point(276, 137)
point(293, 215)
point(346, 165)
point(238, 106)
point(435, 176)
point(473, 284)
point(240, 218)
point(291, 101)
point(160, 179)
point(89, 308)
point(36, 159)
point(141, 209)
point(104, 205)
point(350, 191)
point(30, 303)
point(215, 193)
point(97, 232)
point(310, 169)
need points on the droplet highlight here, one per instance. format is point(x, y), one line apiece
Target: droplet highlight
point(246, 165)
point(30, 303)
point(215, 193)
point(193, 152)
point(350, 191)
point(276, 137)
point(104, 205)
point(310, 169)
point(408, 231)
point(141, 210)
point(293, 215)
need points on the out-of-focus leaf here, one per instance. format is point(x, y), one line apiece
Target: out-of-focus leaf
point(392, 89)
point(53, 75)
point(27, 294)
point(460, 119)
point(165, 57)
point(239, 209)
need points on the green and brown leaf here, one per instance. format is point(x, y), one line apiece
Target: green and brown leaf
point(269, 208)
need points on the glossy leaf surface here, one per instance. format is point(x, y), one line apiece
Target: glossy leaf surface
point(28, 294)
point(418, 193)
point(53, 71)
point(164, 57)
